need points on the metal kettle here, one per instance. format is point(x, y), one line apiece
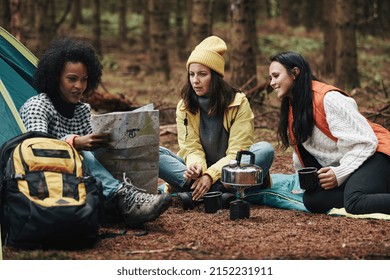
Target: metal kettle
point(237, 174)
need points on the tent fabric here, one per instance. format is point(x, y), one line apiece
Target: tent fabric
point(11, 124)
point(17, 67)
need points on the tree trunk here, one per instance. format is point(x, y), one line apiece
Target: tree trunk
point(384, 19)
point(347, 76)
point(44, 24)
point(28, 12)
point(16, 24)
point(122, 12)
point(96, 30)
point(159, 28)
point(329, 33)
point(243, 38)
point(188, 27)
point(373, 17)
point(291, 11)
point(312, 14)
point(179, 28)
point(201, 21)
point(146, 27)
point(76, 15)
point(5, 19)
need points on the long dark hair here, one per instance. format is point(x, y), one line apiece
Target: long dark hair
point(301, 102)
point(221, 95)
point(61, 51)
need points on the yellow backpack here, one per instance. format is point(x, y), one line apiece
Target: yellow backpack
point(49, 197)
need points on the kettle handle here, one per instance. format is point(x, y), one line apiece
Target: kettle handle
point(240, 153)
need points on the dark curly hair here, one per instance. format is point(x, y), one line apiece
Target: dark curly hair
point(61, 51)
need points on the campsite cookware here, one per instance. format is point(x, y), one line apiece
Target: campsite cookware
point(212, 202)
point(308, 178)
point(241, 176)
point(237, 174)
point(239, 209)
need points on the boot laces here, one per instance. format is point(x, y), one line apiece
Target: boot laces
point(134, 194)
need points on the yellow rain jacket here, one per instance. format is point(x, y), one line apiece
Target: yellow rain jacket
point(238, 122)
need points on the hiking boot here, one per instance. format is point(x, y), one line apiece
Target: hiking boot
point(138, 207)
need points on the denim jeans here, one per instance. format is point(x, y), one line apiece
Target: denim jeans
point(109, 183)
point(172, 167)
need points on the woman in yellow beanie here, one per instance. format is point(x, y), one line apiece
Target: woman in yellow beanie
point(214, 121)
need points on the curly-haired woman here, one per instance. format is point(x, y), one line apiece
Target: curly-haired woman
point(67, 71)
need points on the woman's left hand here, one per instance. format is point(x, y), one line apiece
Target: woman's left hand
point(327, 178)
point(193, 172)
point(201, 186)
point(92, 141)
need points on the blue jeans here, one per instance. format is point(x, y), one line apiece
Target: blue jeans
point(109, 183)
point(172, 167)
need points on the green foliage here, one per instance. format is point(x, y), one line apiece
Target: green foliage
point(110, 23)
point(109, 63)
point(373, 59)
point(273, 43)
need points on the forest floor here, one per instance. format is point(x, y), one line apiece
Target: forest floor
point(269, 233)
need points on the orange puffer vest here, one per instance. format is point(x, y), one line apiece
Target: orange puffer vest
point(319, 90)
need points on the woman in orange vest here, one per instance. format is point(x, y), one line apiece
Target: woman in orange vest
point(324, 127)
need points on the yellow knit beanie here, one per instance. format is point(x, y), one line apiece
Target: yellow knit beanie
point(209, 53)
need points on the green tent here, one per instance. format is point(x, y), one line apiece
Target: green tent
point(17, 67)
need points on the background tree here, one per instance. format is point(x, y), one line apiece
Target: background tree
point(346, 74)
point(193, 20)
point(291, 11)
point(373, 17)
point(46, 24)
point(5, 14)
point(96, 29)
point(243, 44)
point(329, 35)
point(122, 14)
point(146, 26)
point(201, 23)
point(180, 37)
point(76, 14)
point(16, 24)
point(28, 12)
point(383, 18)
point(311, 13)
point(159, 31)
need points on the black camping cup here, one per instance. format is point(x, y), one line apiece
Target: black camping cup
point(239, 209)
point(308, 178)
point(212, 202)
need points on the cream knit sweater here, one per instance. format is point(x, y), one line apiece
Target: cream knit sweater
point(356, 139)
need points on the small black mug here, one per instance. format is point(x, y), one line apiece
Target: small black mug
point(239, 209)
point(308, 178)
point(212, 202)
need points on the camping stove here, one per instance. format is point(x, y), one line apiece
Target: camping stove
point(239, 208)
point(241, 176)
